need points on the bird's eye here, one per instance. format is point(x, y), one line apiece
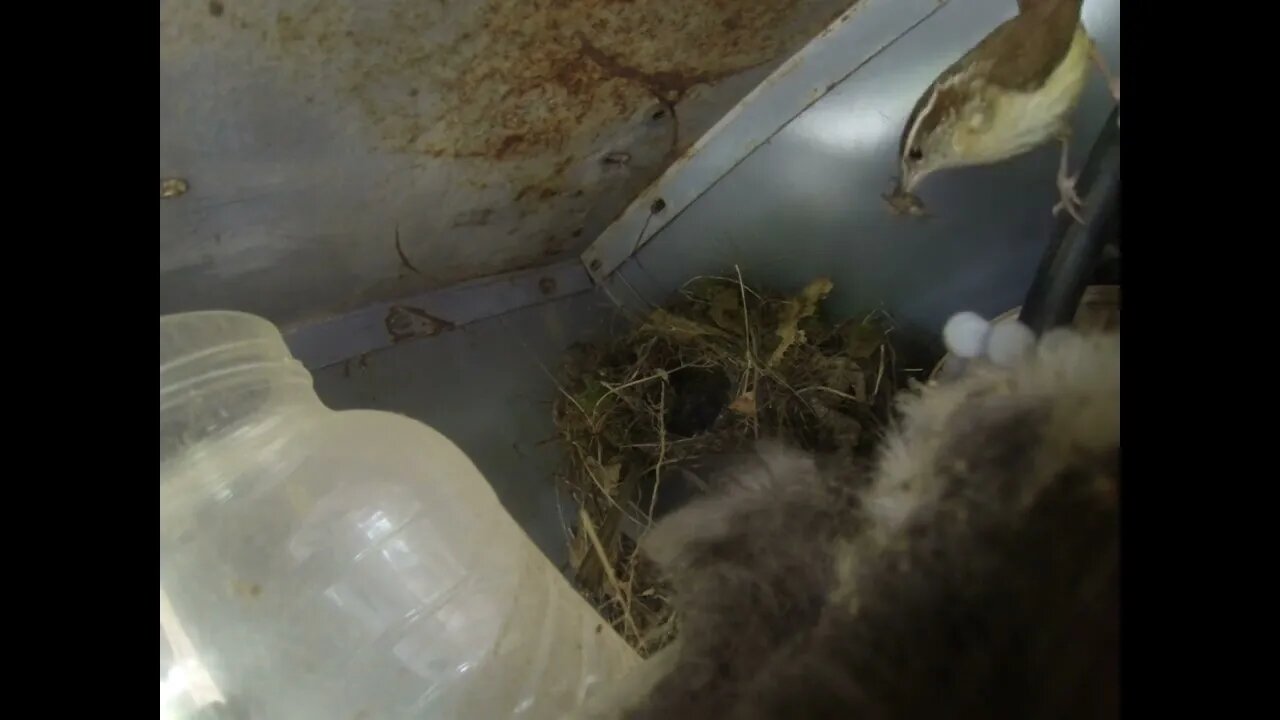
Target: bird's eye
point(915, 153)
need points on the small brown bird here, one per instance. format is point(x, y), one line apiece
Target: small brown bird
point(1014, 91)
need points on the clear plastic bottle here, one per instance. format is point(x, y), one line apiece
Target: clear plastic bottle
point(319, 564)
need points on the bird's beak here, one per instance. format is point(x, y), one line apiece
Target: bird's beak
point(910, 180)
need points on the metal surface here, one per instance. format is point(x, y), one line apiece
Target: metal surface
point(383, 325)
point(854, 39)
point(333, 153)
point(307, 199)
point(485, 388)
point(808, 202)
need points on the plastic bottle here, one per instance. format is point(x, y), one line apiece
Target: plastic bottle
point(349, 565)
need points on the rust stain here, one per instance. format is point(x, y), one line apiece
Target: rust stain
point(539, 191)
point(554, 245)
point(404, 322)
point(520, 78)
point(668, 86)
point(509, 144)
point(540, 93)
point(547, 285)
point(472, 218)
point(550, 185)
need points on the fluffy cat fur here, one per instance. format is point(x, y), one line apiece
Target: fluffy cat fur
point(973, 572)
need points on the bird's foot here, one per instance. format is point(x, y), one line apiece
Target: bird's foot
point(1069, 200)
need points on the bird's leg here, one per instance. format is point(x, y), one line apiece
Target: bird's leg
point(1113, 82)
point(1068, 199)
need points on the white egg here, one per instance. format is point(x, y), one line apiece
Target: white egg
point(1008, 341)
point(965, 334)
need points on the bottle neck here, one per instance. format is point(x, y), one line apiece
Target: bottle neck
point(226, 376)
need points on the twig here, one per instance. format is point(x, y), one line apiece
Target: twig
point(669, 443)
point(568, 535)
point(721, 278)
point(585, 521)
point(875, 390)
point(662, 451)
point(641, 358)
point(752, 367)
point(833, 391)
point(778, 379)
point(613, 389)
point(658, 632)
point(599, 485)
point(746, 316)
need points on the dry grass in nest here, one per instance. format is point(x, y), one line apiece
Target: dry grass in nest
point(720, 365)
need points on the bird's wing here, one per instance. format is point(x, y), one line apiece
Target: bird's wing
point(1023, 51)
point(1019, 54)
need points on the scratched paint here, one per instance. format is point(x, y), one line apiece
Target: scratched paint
point(489, 135)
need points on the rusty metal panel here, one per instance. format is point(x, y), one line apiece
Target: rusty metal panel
point(318, 156)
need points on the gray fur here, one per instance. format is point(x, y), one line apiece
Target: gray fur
point(972, 573)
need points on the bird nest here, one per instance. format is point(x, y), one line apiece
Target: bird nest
point(718, 366)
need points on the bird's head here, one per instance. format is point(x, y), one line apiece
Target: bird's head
point(928, 138)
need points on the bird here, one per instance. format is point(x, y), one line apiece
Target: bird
point(1011, 93)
